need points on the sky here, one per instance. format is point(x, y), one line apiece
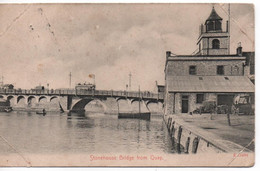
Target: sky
point(43, 43)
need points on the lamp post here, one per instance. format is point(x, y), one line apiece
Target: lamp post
point(130, 77)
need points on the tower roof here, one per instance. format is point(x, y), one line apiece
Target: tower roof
point(214, 15)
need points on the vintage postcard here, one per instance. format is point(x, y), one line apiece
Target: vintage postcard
point(127, 84)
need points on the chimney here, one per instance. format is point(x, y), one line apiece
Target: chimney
point(239, 49)
point(168, 54)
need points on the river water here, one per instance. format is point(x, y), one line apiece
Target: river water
point(93, 133)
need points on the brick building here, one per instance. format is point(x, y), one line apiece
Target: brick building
point(212, 74)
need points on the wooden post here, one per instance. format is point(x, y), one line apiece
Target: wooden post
point(187, 145)
point(179, 135)
point(172, 130)
point(169, 123)
point(195, 145)
point(179, 140)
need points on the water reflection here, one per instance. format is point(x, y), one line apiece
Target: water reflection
point(88, 133)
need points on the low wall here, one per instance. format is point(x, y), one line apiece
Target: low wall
point(190, 139)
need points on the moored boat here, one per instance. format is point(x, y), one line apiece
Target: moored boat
point(43, 112)
point(8, 109)
point(4, 105)
point(145, 115)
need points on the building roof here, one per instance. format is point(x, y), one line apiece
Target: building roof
point(213, 15)
point(225, 84)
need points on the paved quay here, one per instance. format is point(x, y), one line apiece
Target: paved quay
point(215, 128)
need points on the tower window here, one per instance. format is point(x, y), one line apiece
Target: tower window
point(192, 70)
point(215, 44)
point(218, 25)
point(220, 70)
point(210, 26)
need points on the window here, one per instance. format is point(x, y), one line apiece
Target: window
point(210, 26)
point(220, 70)
point(218, 25)
point(215, 44)
point(192, 70)
point(235, 70)
point(200, 98)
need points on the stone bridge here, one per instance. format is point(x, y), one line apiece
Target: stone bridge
point(76, 100)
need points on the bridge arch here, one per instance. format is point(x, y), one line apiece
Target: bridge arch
point(19, 98)
point(121, 98)
point(147, 102)
point(41, 97)
point(9, 98)
point(53, 97)
point(29, 99)
point(154, 106)
point(4, 97)
point(135, 99)
point(79, 105)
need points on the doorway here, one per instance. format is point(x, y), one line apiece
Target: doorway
point(185, 104)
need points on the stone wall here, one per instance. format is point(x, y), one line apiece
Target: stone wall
point(223, 48)
point(169, 103)
point(191, 139)
point(204, 68)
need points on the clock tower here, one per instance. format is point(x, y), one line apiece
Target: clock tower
point(212, 39)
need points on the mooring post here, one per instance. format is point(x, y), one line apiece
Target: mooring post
point(179, 135)
point(195, 145)
point(187, 145)
point(172, 129)
point(179, 139)
point(168, 123)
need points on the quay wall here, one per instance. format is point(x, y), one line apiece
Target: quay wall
point(190, 139)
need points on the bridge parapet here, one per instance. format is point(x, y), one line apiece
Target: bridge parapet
point(106, 93)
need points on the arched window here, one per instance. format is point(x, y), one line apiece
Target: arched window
point(215, 44)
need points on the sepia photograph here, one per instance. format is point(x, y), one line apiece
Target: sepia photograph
point(127, 84)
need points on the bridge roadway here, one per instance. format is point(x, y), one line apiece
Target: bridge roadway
point(76, 100)
point(104, 93)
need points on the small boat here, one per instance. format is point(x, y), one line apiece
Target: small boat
point(7, 110)
point(4, 105)
point(43, 112)
point(145, 116)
